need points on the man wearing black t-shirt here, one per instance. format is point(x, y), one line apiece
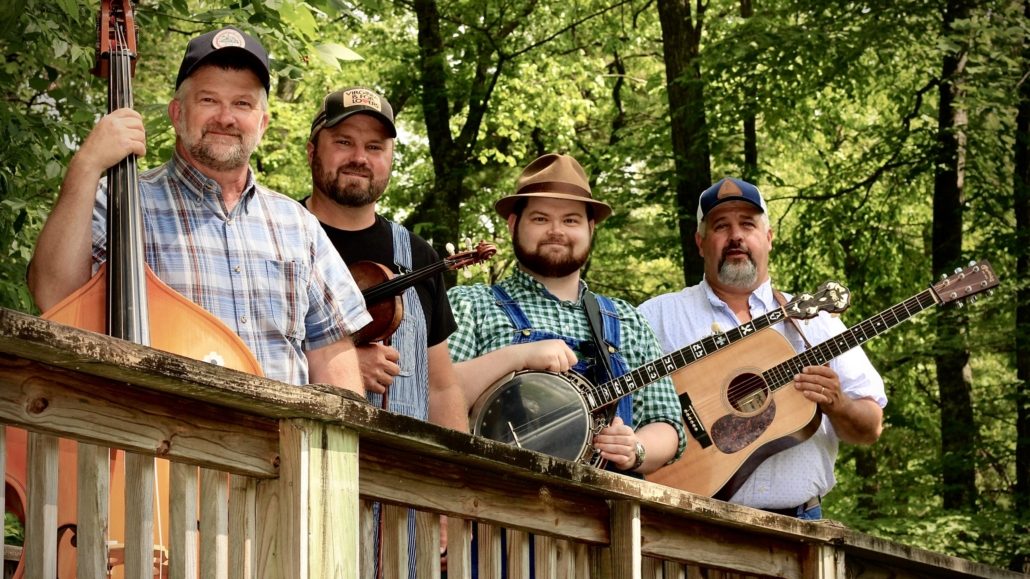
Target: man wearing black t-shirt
point(350, 151)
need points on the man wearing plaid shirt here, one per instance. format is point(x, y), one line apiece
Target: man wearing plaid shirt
point(255, 259)
point(535, 319)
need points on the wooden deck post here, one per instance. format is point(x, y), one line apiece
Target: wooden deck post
point(308, 523)
point(625, 548)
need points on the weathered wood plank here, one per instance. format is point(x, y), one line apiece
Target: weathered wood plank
point(183, 540)
point(625, 547)
point(241, 527)
point(545, 557)
point(32, 338)
point(394, 541)
point(214, 524)
point(498, 497)
point(41, 516)
point(459, 548)
point(723, 548)
point(427, 545)
point(517, 553)
point(332, 500)
point(98, 411)
point(140, 473)
point(94, 487)
point(489, 551)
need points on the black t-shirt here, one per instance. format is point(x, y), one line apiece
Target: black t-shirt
point(376, 244)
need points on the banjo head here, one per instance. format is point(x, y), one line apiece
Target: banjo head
point(540, 411)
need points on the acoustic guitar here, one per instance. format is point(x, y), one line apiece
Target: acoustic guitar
point(559, 414)
point(741, 412)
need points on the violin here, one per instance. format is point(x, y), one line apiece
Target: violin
point(382, 289)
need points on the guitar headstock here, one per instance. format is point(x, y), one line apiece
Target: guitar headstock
point(831, 297)
point(966, 282)
point(478, 254)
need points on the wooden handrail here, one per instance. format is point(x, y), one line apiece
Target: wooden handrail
point(301, 456)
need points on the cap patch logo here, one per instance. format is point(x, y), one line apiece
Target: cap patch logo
point(228, 39)
point(729, 189)
point(362, 98)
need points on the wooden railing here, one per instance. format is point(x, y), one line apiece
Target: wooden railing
point(286, 475)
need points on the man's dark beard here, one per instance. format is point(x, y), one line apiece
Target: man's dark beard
point(547, 266)
point(351, 195)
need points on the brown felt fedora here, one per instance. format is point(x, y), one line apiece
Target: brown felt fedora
point(555, 176)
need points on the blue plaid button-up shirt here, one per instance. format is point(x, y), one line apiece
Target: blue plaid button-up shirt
point(266, 268)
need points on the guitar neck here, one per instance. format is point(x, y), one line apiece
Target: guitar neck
point(783, 374)
point(611, 391)
point(396, 285)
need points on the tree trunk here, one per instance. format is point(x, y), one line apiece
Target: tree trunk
point(436, 217)
point(681, 42)
point(1021, 205)
point(958, 429)
point(750, 171)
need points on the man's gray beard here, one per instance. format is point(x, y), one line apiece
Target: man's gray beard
point(738, 275)
point(237, 156)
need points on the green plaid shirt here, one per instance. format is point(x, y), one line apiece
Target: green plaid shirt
point(484, 327)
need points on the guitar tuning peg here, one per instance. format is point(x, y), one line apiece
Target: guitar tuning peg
point(944, 276)
point(972, 263)
point(960, 304)
point(468, 244)
point(450, 248)
point(958, 270)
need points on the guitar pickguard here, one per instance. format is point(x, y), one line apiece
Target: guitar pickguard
point(734, 433)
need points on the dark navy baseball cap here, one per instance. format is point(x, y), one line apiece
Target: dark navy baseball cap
point(226, 41)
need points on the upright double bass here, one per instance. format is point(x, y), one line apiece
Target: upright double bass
point(125, 300)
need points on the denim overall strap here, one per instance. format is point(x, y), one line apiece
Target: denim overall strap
point(612, 336)
point(409, 393)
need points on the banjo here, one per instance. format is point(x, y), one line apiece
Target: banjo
point(560, 413)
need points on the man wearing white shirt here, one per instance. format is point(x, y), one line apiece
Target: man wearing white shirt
point(734, 238)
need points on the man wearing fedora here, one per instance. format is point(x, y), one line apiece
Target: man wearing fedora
point(252, 257)
point(734, 238)
point(536, 319)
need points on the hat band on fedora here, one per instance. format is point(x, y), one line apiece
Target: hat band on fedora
point(554, 187)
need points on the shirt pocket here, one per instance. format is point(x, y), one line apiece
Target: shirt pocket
point(286, 286)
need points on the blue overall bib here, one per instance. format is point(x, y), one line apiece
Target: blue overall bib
point(409, 392)
point(523, 332)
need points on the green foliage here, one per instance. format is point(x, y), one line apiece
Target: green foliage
point(845, 100)
point(14, 531)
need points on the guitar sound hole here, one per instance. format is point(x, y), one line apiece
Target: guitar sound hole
point(747, 393)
